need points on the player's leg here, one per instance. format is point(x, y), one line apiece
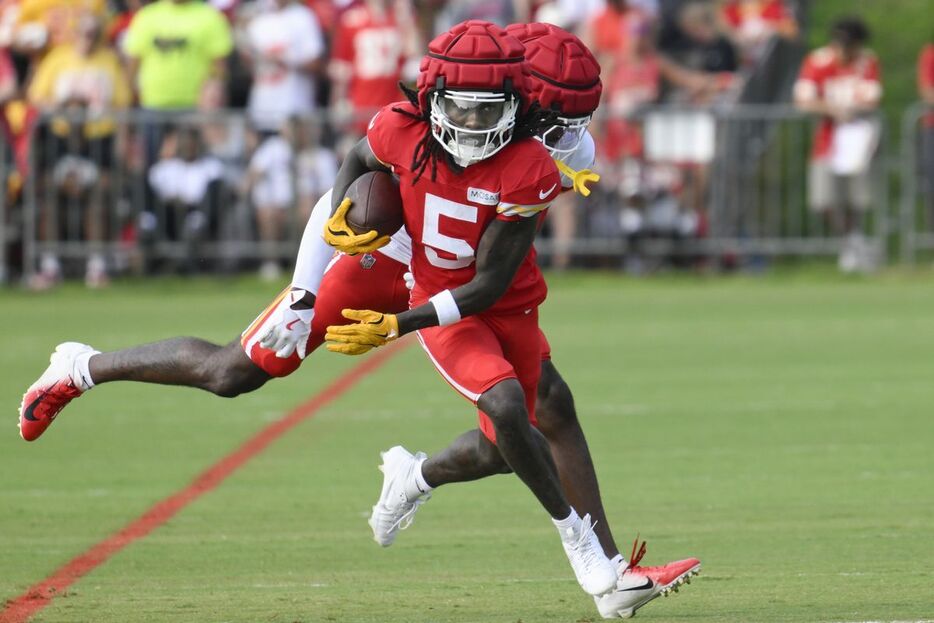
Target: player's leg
point(469, 457)
point(506, 407)
point(557, 420)
point(495, 362)
point(75, 368)
point(185, 361)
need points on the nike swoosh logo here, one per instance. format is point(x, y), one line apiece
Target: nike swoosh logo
point(648, 584)
point(292, 324)
point(28, 411)
point(544, 193)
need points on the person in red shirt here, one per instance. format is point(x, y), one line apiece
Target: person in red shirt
point(752, 23)
point(370, 46)
point(841, 83)
point(926, 93)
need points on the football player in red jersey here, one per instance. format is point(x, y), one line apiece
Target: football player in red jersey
point(566, 79)
point(456, 148)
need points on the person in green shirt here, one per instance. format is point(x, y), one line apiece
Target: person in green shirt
point(177, 51)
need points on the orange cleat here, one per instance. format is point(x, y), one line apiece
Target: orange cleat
point(638, 586)
point(58, 385)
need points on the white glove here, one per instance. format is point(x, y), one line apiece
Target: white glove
point(290, 328)
point(409, 279)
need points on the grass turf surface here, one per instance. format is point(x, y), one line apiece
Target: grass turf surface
point(779, 429)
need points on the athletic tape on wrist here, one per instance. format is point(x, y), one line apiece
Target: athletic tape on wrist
point(446, 308)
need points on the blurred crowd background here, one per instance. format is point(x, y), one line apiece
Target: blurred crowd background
point(190, 136)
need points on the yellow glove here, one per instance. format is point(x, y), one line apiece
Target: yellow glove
point(338, 234)
point(372, 329)
point(580, 179)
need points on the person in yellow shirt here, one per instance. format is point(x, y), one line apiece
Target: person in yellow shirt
point(49, 24)
point(79, 84)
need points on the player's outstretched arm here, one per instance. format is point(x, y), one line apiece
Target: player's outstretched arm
point(502, 248)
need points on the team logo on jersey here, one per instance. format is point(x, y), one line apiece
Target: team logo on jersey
point(483, 197)
point(367, 261)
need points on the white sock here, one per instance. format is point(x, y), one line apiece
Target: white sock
point(571, 521)
point(82, 371)
point(619, 562)
point(417, 486)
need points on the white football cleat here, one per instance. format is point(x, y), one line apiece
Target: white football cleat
point(638, 586)
point(59, 384)
point(395, 511)
point(595, 572)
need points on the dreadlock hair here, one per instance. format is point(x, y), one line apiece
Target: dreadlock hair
point(427, 150)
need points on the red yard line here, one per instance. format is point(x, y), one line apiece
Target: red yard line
point(38, 596)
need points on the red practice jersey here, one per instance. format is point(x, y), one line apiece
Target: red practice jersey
point(825, 77)
point(926, 77)
point(447, 217)
point(372, 47)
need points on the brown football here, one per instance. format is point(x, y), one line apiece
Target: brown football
point(377, 204)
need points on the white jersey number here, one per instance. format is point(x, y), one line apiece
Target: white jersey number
point(435, 241)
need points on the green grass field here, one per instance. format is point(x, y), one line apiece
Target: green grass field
point(778, 428)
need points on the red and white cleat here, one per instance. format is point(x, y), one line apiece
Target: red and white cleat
point(59, 384)
point(638, 586)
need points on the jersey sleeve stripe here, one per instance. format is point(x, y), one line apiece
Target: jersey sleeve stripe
point(511, 209)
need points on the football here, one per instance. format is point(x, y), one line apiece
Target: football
point(377, 204)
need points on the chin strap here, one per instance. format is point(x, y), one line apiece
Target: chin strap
point(580, 179)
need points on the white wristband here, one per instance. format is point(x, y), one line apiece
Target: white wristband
point(446, 308)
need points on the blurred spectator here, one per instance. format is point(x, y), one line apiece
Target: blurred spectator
point(120, 24)
point(188, 184)
point(7, 77)
point(46, 24)
point(841, 83)
point(316, 167)
point(177, 48)
point(177, 51)
point(274, 175)
point(81, 81)
point(372, 43)
point(926, 93)
point(698, 63)
point(500, 12)
point(622, 40)
point(285, 46)
point(751, 24)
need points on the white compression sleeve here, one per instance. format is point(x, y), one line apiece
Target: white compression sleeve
point(314, 254)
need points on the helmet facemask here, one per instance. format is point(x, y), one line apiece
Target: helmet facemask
point(562, 139)
point(472, 125)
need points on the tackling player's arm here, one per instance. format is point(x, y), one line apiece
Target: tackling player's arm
point(502, 248)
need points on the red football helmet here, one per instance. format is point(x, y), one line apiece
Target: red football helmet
point(474, 81)
point(565, 78)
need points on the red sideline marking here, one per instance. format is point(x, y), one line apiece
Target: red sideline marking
point(38, 596)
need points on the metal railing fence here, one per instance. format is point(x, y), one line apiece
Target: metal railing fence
point(916, 218)
point(175, 192)
point(721, 183)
